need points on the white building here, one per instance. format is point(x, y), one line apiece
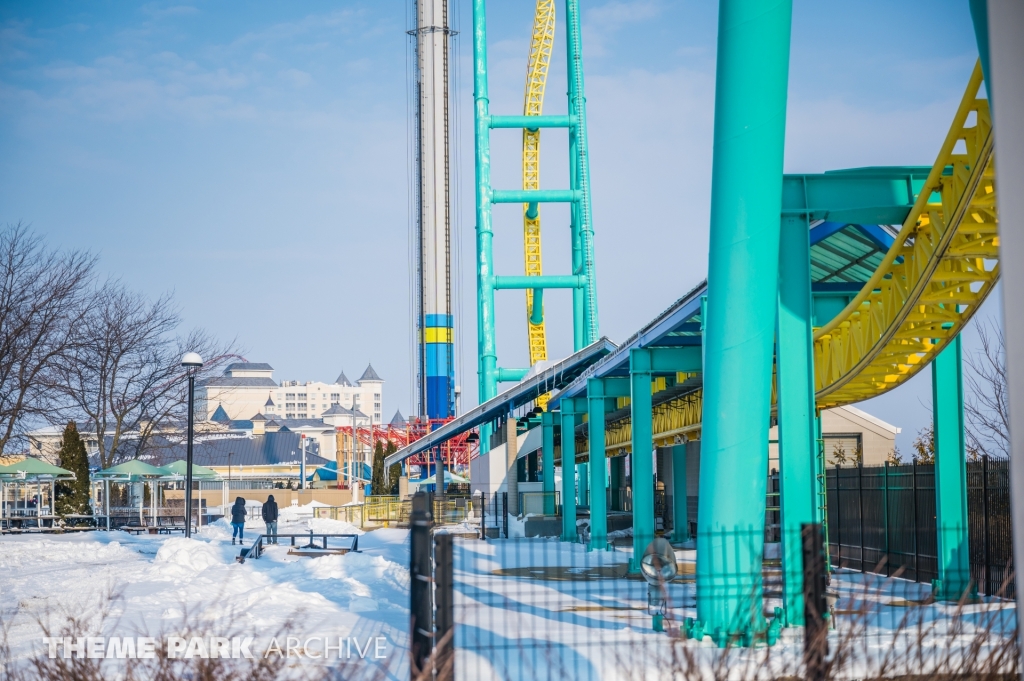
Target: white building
point(247, 389)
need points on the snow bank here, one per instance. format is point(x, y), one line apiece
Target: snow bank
point(193, 554)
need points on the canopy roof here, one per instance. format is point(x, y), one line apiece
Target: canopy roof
point(181, 468)
point(34, 469)
point(134, 469)
point(449, 478)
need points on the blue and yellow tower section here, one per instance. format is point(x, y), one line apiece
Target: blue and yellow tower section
point(439, 365)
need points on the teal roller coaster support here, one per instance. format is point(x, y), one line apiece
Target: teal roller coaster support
point(568, 412)
point(581, 278)
point(641, 405)
point(795, 381)
point(950, 474)
point(746, 202)
point(486, 348)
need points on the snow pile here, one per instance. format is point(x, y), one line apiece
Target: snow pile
point(191, 554)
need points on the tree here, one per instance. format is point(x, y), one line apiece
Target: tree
point(377, 480)
point(72, 497)
point(986, 407)
point(124, 375)
point(924, 445)
point(395, 471)
point(895, 458)
point(42, 300)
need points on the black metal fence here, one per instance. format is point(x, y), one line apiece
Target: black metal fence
point(882, 518)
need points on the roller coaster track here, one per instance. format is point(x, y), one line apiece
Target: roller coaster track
point(536, 80)
point(938, 272)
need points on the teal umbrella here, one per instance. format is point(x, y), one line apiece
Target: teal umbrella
point(198, 472)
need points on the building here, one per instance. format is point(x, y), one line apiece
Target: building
point(248, 388)
point(850, 436)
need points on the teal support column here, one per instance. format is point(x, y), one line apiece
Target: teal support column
point(746, 202)
point(596, 401)
point(796, 408)
point(950, 474)
point(583, 498)
point(579, 161)
point(643, 448)
point(680, 517)
point(547, 453)
point(568, 471)
point(487, 372)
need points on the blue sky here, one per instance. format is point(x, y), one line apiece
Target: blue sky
point(252, 157)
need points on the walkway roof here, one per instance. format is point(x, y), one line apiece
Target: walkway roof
point(553, 377)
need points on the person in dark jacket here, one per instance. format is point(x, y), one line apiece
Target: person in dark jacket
point(238, 520)
point(270, 518)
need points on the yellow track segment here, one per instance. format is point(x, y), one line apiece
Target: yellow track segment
point(935, 276)
point(536, 80)
point(939, 270)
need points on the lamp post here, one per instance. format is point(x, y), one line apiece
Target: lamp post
point(192, 363)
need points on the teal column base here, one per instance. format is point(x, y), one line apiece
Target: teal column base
point(950, 474)
point(568, 429)
point(547, 453)
point(641, 457)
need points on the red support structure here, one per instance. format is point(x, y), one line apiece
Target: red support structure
point(456, 451)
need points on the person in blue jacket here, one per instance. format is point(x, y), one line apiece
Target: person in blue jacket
point(238, 520)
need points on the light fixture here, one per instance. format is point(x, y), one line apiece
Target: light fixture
point(191, 360)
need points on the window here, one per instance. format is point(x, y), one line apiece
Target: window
point(302, 396)
point(301, 415)
point(302, 405)
point(335, 397)
point(288, 405)
point(376, 396)
point(289, 416)
point(289, 396)
point(335, 404)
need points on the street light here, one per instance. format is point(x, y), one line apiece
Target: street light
point(192, 363)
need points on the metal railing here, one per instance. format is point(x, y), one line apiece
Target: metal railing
point(256, 550)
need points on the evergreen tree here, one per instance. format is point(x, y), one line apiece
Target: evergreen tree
point(72, 497)
point(377, 481)
point(395, 471)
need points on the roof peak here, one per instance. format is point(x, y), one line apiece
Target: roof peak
point(370, 375)
point(342, 379)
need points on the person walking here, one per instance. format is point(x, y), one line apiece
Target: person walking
point(238, 514)
point(270, 518)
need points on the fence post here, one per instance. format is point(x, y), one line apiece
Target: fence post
point(860, 502)
point(444, 596)
point(421, 583)
point(885, 512)
point(984, 515)
point(483, 515)
point(917, 555)
point(839, 522)
point(815, 606)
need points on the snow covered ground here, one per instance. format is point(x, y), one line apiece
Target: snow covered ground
point(525, 609)
point(164, 584)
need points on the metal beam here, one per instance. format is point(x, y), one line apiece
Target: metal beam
point(534, 195)
point(542, 281)
point(666, 360)
point(532, 122)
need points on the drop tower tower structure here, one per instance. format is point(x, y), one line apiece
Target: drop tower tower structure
point(435, 322)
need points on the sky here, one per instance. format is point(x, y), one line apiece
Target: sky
point(253, 157)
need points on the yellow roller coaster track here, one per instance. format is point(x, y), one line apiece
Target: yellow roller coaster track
point(536, 80)
point(937, 273)
point(939, 270)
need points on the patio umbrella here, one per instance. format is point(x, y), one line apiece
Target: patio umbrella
point(181, 467)
point(133, 471)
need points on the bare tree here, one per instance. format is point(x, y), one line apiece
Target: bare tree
point(124, 375)
point(985, 399)
point(41, 303)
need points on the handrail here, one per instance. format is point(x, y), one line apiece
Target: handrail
point(256, 550)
